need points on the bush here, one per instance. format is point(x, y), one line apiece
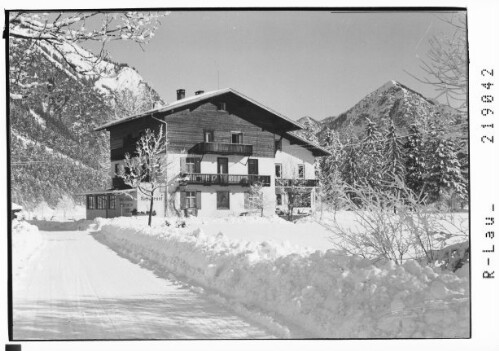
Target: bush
point(393, 224)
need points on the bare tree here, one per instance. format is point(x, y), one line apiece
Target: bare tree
point(446, 64)
point(295, 190)
point(146, 169)
point(416, 231)
point(59, 34)
point(255, 198)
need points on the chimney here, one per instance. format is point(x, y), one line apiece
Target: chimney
point(180, 94)
point(199, 92)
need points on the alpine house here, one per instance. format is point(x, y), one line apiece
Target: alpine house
point(219, 144)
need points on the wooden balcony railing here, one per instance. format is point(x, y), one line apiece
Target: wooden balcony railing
point(296, 182)
point(223, 148)
point(226, 179)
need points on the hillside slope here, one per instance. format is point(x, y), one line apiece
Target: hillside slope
point(53, 111)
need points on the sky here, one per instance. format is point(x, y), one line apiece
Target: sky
point(299, 63)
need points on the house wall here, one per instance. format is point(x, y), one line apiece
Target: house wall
point(185, 130)
point(237, 165)
point(291, 156)
point(236, 200)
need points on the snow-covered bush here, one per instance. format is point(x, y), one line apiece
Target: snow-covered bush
point(393, 224)
point(326, 293)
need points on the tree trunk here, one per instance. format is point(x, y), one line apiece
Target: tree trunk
point(150, 209)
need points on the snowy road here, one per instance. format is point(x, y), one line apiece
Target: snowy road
point(77, 288)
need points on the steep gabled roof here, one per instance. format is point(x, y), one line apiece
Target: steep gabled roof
point(315, 148)
point(261, 115)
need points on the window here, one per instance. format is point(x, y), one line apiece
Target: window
point(237, 138)
point(112, 202)
point(190, 199)
point(278, 199)
point(278, 170)
point(101, 202)
point(301, 171)
point(252, 166)
point(116, 168)
point(208, 136)
point(193, 165)
point(90, 202)
point(223, 200)
point(222, 106)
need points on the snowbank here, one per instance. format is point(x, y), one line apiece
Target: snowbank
point(325, 293)
point(26, 241)
point(82, 224)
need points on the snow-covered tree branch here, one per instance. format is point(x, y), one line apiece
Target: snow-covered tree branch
point(446, 64)
point(146, 169)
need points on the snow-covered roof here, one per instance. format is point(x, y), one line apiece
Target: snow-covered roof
point(316, 149)
point(183, 103)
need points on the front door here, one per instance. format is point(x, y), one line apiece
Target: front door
point(223, 169)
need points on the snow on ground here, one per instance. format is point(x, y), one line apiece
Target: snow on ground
point(26, 243)
point(76, 288)
point(325, 293)
point(64, 211)
point(54, 226)
point(308, 236)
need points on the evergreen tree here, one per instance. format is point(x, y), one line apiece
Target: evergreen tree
point(351, 169)
point(371, 155)
point(444, 170)
point(415, 163)
point(329, 171)
point(394, 156)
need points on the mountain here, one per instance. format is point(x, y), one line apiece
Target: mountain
point(58, 95)
point(395, 102)
point(311, 129)
point(310, 124)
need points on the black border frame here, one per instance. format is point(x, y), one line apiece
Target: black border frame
point(359, 9)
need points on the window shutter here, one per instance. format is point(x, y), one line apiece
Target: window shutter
point(183, 166)
point(198, 200)
point(246, 200)
point(182, 200)
point(197, 165)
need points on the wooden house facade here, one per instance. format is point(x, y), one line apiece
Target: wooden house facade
point(219, 144)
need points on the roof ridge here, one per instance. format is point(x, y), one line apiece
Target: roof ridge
point(196, 98)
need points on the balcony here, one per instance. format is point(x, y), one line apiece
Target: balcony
point(223, 148)
point(226, 179)
point(305, 183)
